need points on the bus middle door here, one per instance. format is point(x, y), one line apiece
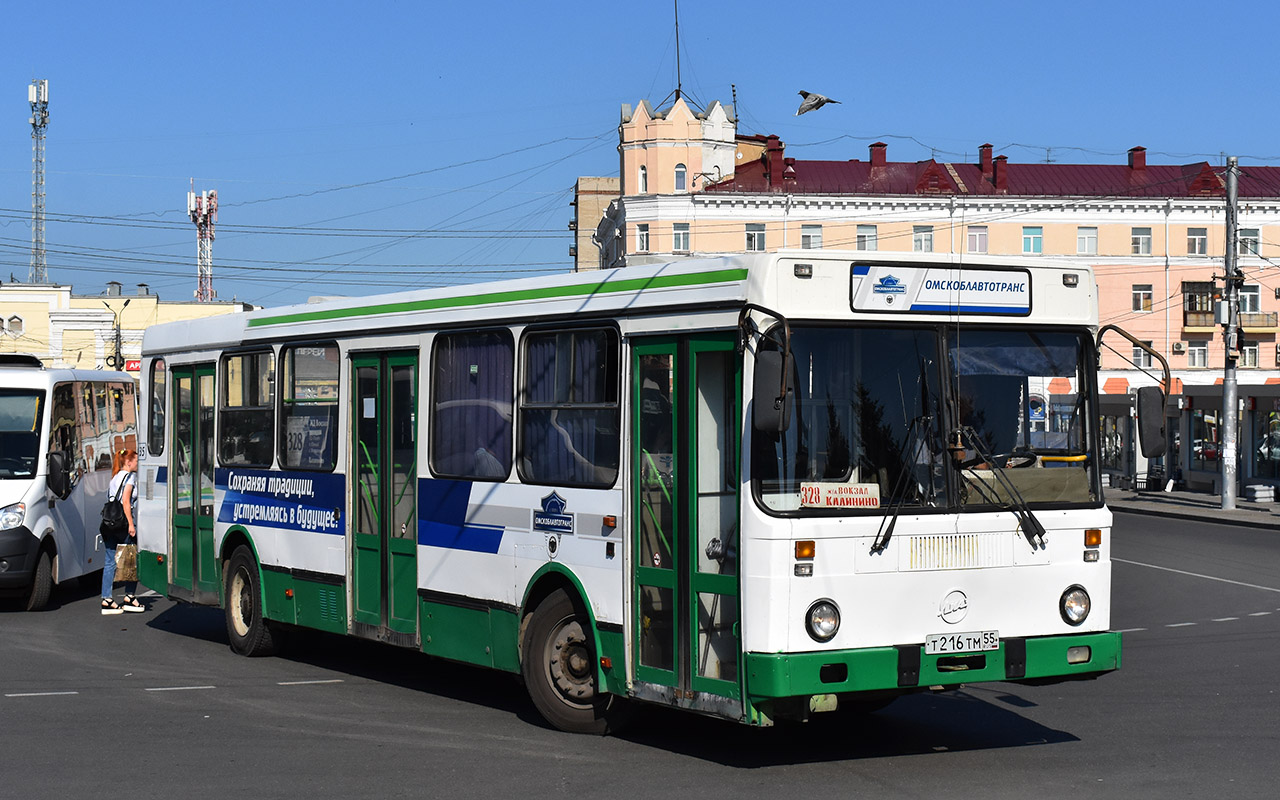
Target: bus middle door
point(193, 570)
point(384, 466)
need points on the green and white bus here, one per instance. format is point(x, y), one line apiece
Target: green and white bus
point(756, 487)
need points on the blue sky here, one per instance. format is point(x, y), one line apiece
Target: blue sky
point(426, 144)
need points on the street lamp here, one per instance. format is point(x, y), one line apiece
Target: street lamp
point(116, 361)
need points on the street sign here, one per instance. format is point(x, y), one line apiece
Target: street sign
point(133, 365)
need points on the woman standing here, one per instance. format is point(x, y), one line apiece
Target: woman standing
point(123, 483)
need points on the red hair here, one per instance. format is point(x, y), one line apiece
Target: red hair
point(121, 458)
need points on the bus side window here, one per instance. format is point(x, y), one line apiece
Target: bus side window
point(64, 429)
point(158, 399)
point(246, 424)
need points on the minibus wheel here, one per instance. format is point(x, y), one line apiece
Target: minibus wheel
point(41, 582)
point(246, 629)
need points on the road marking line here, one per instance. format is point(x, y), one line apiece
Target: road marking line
point(39, 694)
point(307, 683)
point(1198, 575)
point(1260, 613)
point(1179, 624)
point(1131, 630)
point(178, 688)
point(1226, 619)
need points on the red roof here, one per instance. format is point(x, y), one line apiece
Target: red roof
point(1025, 180)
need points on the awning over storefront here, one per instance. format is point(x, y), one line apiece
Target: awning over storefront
point(1116, 386)
point(1060, 386)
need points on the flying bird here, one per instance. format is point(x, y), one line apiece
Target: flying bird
point(812, 101)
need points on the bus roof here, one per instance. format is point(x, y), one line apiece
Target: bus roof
point(767, 279)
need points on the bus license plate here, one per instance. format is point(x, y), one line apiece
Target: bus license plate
point(967, 642)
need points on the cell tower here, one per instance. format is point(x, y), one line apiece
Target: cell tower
point(38, 96)
point(203, 210)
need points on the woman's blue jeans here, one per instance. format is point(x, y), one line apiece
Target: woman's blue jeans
point(109, 574)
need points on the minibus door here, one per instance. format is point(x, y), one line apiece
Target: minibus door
point(685, 432)
point(193, 570)
point(384, 536)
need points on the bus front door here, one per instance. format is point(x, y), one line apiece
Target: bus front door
point(192, 566)
point(686, 434)
point(384, 538)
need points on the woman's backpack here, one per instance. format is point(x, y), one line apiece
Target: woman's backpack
point(115, 525)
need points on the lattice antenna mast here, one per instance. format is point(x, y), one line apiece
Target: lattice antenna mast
point(203, 210)
point(38, 96)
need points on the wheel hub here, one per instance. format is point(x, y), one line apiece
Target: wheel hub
point(570, 663)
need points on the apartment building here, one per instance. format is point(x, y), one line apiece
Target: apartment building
point(689, 184)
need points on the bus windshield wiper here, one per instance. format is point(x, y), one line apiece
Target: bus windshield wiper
point(898, 497)
point(1027, 522)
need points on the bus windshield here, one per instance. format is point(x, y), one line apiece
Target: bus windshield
point(19, 432)
point(876, 411)
point(867, 422)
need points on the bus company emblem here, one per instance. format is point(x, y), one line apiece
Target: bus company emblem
point(889, 285)
point(552, 519)
point(954, 607)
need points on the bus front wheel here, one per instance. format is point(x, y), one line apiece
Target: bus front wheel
point(559, 669)
point(246, 628)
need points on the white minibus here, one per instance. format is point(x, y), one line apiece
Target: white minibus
point(58, 430)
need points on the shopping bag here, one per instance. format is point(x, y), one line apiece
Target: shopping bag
point(127, 562)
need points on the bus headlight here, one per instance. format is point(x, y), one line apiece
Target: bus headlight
point(12, 516)
point(822, 620)
point(1074, 605)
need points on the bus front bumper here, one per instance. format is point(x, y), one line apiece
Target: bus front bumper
point(1043, 659)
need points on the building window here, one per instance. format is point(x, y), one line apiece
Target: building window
point(1140, 242)
point(1250, 299)
point(473, 388)
point(1197, 304)
point(922, 238)
point(680, 237)
point(680, 177)
point(246, 420)
point(866, 237)
point(1087, 241)
point(15, 326)
point(569, 422)
point(811, 237)
point(977, 238)
point(1141, 358)
point(1249, 355)
point(642, 238)
point(644, 181)
point(1248, 242)
point(755, 237)
point(309, 406)
point(1142, 297)
point(1197, 241)
point(1198, 353)
point(1032, 240)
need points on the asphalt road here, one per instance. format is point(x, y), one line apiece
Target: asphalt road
point(156, 704)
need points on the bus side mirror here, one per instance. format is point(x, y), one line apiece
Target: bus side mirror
point(1151, 421)
point(771, 411)
point(59, 480)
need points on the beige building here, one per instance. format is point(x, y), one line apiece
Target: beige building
point(1154, 235)
point(69, 330)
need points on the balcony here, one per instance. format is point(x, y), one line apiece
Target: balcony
point(1198, 322)
point(1258, 322)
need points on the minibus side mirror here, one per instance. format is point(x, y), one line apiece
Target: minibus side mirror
point(1151, 433)
point(59, 480)
point(771, 400)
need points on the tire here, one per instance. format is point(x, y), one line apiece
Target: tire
point(247, 631)
point(37, 596)
point(559, 669)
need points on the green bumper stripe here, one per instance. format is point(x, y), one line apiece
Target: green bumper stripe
point(153, 573)
point(772, 675)
point(489, 298)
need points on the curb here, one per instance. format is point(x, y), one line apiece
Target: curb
point(1201, 517)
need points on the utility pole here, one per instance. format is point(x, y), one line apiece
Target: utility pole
point(38, 96)
point(1231, 338)
point(117, 361)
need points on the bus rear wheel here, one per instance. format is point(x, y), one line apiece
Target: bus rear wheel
point(247, 630)
point(559, 669)
point(41, 583)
